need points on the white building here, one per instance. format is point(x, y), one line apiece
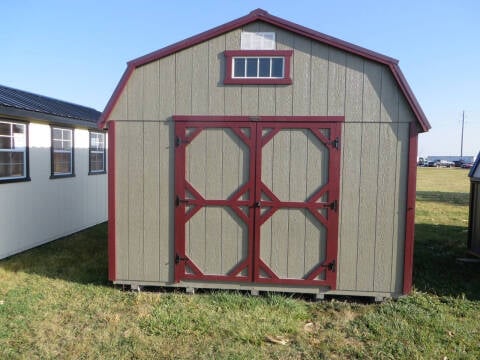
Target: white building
point(52, 170)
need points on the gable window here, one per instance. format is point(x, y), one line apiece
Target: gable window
point(62, 152)
point(13, 151)
point(96, 153)
point(258, 67)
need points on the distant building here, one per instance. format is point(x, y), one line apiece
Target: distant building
point(53, 178)
point(467, 159)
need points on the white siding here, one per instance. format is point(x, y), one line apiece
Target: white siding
point(44, 209)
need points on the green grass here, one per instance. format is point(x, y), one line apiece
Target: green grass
point(56, 302)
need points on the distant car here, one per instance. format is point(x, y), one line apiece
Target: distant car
point(467, 165)
point(445, 163)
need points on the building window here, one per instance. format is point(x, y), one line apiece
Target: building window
point(258, 67)
point(62, 152)
point(96, 157)
point(13, 151)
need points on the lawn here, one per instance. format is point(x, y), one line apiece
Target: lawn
point(55, 302)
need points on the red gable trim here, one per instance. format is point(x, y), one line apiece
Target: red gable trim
point(262, 15)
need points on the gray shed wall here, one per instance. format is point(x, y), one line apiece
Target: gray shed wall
point(326, 81)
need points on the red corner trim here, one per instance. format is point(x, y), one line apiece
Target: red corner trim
point(410, 213)
point(262, 15)
point(112, 271)
point(115, 96)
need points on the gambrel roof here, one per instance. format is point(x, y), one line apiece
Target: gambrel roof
point(262, 15)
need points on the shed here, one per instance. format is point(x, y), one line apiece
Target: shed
point(473, 244)
point(265, 156)
point(53, 178)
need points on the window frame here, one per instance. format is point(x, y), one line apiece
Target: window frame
point(52, 153)
point(26, 153)
point(92, 150)
point(230, 56)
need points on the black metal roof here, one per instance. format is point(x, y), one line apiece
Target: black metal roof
point(22, 100)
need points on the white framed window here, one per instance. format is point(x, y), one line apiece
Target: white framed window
point(258, 67)
point(96, 153)
point(262, 67)
point(13, 151)
point(62, 152)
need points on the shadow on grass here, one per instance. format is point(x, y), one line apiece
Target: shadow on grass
point(453, 198)
point(80, 257)
point(436, 269)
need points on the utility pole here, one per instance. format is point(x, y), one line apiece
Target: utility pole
point(461, 143)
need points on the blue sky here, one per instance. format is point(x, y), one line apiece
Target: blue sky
point(77, 50)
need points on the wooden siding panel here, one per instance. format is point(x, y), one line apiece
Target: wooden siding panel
point(389, 96)
point(216, 70)
point(135, 96)
point(166, 167)
point(249, 100)
point(122, 209)
point(151, 91)
point(196, 174)
point(119, 112)
point(183, 82)
point(385, 236)
point(234, 233)
point(284, 94)
point(405, 113)
point(296, 218)
point(281, 188)
point(401, 207)
point(151, 200)
point(200, 79)
point(135, 201)
point(167, 89)
point(349, 205)
point(371, 91)
point(354, 90)
point(302, 69)
point(367, 209)
point(213, 190)
point(319, 79)
point(336, 82)
point(475, 231)
point(233, 94)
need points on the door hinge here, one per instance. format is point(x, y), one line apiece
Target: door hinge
point(178, 258)
point(179, 141)
point(336, 143)
point(331, 266)
point(178, 201)
point(333, 205)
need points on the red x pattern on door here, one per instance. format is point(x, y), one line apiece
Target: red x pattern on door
point(256, 199)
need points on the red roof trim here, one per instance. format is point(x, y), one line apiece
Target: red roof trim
point(115, 96)
point(262, 15)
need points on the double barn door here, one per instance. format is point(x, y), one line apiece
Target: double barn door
point(256, 200)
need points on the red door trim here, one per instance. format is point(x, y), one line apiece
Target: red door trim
point(112, 269)
point(237, 118)
point(255, 266)
point(410, 211)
